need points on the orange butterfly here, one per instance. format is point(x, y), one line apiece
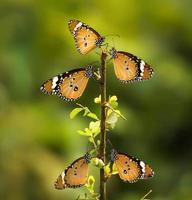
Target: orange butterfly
point(129, 168)
point(86, 38)
point(129, 68)
point(69, 85)
point(75, 175)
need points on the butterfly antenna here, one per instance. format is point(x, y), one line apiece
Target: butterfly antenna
point(113, 35)
point(87, 147)
point(108, 140)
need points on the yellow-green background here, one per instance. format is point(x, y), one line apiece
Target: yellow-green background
point(37, 138)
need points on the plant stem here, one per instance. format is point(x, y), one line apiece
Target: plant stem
point(103, 125)
point(143, 198)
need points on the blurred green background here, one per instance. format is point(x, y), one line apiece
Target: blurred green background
point(37, 138)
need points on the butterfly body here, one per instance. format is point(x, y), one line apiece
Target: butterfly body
point(130, 169)
point(129, 67)
point(75, 175)
point(68, 85)
point(86, 38)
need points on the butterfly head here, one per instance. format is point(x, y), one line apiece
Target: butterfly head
point(113, 155)
point(89, 71)
point(87, 157)
point(99, 41)
point(113, 52)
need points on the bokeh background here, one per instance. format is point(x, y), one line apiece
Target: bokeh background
point(37, 138)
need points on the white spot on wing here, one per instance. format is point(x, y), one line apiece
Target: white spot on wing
point(78, 25)
point(142, 66)
point(54, 82)
point(142, 164)
point(62, 176)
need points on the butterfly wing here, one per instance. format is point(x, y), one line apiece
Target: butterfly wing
point(86, 38)
point(148, 172)
point(60, 182)
point(128, 168)
point(72, 24)
point(130, 68)
point(47, 86)
point(76, 175)
point(125, 66)
point(69, 85)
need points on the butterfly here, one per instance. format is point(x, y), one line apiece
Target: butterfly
point(86, 38)
point(130, 169)
point(129, 68)
point(75, 175)
point(68, 85)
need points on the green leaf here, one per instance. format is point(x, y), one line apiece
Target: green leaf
point(91, 140)
point(93, 153)
point(114, 169)
point(98, 142)
point(84, 133)
point(86, 111)
point(95, 127)
point(97, 99)
point(74, 112)
point(97, 162)
point(110, 169)
point(91, 180)
point(96, 195)
point(107, 169)
point(114, 104)
point(112, 118)
point(92, 115)
point(90, 184)
point(113, 99)
point(88, 131)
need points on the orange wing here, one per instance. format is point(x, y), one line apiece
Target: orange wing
point(125, 69)
point(47, 87)
point(75, 175)
point(148, 172)
point(129, 68)
point(146, 73)
point(69, 85)
point(128, 168)
point(72, 24)
point(86, 38)
point(60, 183)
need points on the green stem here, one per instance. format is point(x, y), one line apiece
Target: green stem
point(103, 125)
point(94, 143)
point(108, 106)
point(144, 197)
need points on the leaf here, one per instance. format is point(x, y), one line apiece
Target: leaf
point(91, 140)
point(91, 180)
point(110, 169)
point(98, 142)
point(95, 127)
point(86, 111)
point(92, 115)
point(84, 133)
point(78, 197)
point(113, 99)
point(112, 118)
point(97, 99)
point(90, 184)
point(114, 169)
point(107, 169)
point(74, 112)
point(97, 162)
point(114, 104)
point(93, 153)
